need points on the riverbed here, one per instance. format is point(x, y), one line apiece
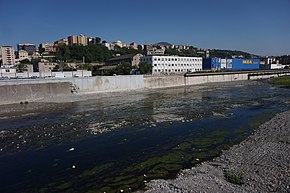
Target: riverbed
point(120, 141)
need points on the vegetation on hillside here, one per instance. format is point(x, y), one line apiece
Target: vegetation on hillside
point(90, 53)
point(191, 52)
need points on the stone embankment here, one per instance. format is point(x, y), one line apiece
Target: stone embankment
point(261, 163)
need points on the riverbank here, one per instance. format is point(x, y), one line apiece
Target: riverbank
point(31, 90)
point(259, 164)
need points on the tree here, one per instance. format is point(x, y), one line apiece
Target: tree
point(123, 69)
point(63, 53)
point(25, 61)
point(85, 66)
point(145, 68)
point(35, 61)
point(21, 67)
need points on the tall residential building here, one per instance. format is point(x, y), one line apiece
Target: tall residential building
point(173, 64)
point(8, 57)
point(82, 40)
point(72, 40)
point(30, 48)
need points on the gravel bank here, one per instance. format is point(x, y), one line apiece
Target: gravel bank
point(263, 160)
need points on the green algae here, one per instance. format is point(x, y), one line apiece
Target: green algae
point(283, 81)
point(186, 153)
point(64, 186)
point(97, 169)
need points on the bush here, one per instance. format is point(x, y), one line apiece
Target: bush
point(234, 177)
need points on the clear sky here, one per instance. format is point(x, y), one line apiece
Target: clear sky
point(256, 26)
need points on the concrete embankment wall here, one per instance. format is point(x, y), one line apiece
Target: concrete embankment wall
point(163, 81)
point(172, 81)
point(108, 83)
point(15, 93)
point(193, 80)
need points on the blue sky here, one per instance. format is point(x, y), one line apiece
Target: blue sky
point(256, 26)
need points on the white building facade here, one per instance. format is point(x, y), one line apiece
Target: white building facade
point(22, 55)
point(166, 65)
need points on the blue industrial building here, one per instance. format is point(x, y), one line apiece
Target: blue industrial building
point(230, 64)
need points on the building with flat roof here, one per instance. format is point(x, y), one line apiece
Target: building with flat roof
point(46, 47)
point(8, 56)
point(72, 39)
point(231, 64)
point(133, 59)
point(30, 48)
point(61, 41)
point(166, 65)
point(82, 40)
point(7, 72)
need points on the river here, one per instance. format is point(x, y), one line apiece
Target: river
point(121, 141)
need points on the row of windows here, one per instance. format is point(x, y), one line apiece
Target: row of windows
point(177, 59)
point(177, 64)
point(171, 59)
point(176, 70)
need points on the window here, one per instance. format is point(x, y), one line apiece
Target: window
point(7, 70)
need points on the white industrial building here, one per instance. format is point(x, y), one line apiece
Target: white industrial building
point(163, 65)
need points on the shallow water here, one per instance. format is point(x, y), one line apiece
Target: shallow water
point(120, 142)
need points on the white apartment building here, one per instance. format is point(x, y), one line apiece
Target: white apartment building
point(162, 65)
point(8, 57)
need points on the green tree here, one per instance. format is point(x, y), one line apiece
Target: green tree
point(25, 61)
point(63, 53)
point(123, 69)
point(145, 68)
point(62, 66)
point(35, 61)
point(21, 67)
point(85, 66)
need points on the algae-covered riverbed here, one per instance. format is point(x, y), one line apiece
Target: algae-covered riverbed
point(120, 142)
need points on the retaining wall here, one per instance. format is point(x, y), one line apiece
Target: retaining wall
point(16, 93)
point(172, 81)
point(163, 81)
point(108, 83)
